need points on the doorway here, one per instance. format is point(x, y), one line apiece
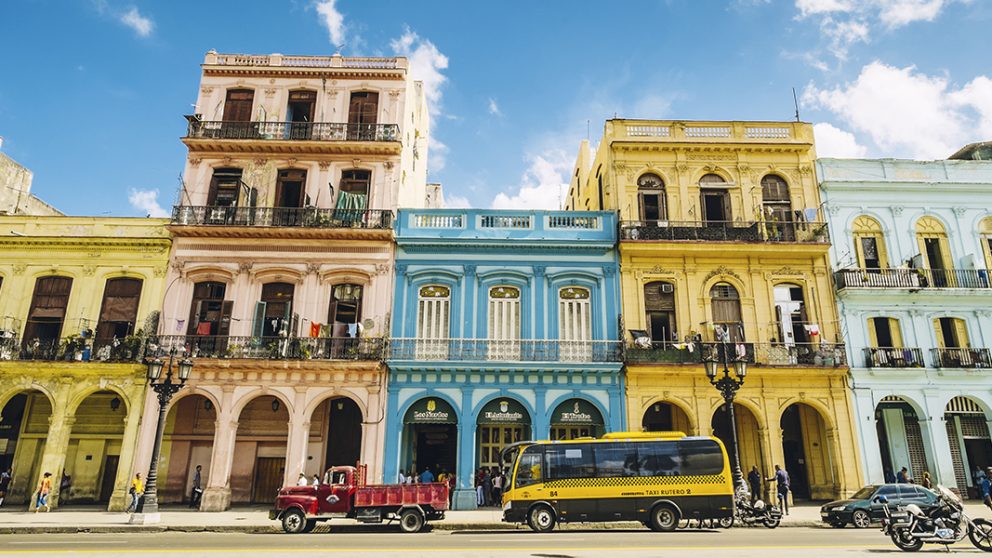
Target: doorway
point(290, 190)
point(434, 446)
point(344, 433)
point(269, 472)
point(110, 464)
point(299, 113)
point(935, 261)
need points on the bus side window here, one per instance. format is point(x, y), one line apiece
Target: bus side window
point(529, 469)
point(659, 459)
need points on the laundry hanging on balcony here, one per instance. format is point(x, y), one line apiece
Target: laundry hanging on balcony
point(348, 200)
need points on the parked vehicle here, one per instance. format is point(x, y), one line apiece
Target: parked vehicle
point(863, 508)
point(910, 527)
point(345, 495)
point(747, 513)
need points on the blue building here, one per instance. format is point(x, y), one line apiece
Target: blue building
point(505, 327)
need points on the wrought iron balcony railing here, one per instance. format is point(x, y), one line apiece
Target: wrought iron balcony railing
point(518, 350)
point(290, 131)
point(894, 357)
point(911, 278)
point(826, 355)
point(312, 217)
point(961, 358)
point(115, 349)
point(288, 348)
point(764, 231)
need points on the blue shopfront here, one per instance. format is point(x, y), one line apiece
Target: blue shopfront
point(505, 328)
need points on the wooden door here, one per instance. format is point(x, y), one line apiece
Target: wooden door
point(269, 472)
point(237, 105)
point(110, 464)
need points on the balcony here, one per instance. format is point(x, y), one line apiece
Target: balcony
point(825, 355)
point(727, 231)
point(269, 348)
point(961, 358)
point(500, 350)
point(893, 357)
point(289, 222)
point(128, 349)
point(274, 137)
point(592, 229)
point(912, 278)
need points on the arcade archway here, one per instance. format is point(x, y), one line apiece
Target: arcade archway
point(430, 437)
point(666, 417)
point(576, 418)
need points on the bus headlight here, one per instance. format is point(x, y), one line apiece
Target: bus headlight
point(506, 505)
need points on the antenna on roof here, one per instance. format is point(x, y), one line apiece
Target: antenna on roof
point(795, 101)
point(587, 130)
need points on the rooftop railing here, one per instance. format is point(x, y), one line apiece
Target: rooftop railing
point(894, 357)
point(290, 131)
point(287, 348)
point(912, 278)
point(513, 350)
point(360, 62)
point(739, 231)
point(826, 355)
point(962, 358)
point(312, 217)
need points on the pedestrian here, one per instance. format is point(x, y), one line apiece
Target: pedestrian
point(781, 479)
point(136, 490)
point(65, 486)
point(480, 498)
point(902, 477)
point(497, 488)
point(754, 481)
point(197, 494)
point(302, 481)
point(316, 481)
point(487, 487)
point(427, 476)
point(985, 490)
point(977, 475)
point(402, 478)
point(44, 489)
point(926, 482)
point(5, 477)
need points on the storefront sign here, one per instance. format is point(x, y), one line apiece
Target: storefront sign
point(503, 411)
point(576, 411)
point(431, 411)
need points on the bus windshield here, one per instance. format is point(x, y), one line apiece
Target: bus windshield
point(529, 470)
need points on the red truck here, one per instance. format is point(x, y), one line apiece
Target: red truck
point(300, 508)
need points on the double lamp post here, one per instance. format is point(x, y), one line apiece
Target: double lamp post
point(728, 386)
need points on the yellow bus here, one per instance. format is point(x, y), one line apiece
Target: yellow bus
point(657, 478)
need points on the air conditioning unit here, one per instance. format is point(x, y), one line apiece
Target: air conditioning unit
point(667, 288)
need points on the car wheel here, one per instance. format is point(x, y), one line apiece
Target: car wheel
point(541, 519)
point(664, 518)
point(293, 521)
point(411, 521)
point(860, 519)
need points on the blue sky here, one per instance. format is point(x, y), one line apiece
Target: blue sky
point(93, 91)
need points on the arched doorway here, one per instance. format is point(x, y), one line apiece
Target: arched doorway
point(187, 442)
point(806, 451)
point(576, 418)
point(259, 465)
point(93, 455)
point(336, 426)
point(968, 435)
point(748, 440)
point(23, 432)
point(430, 436)
point(501, 422)
point(900, 438)
point(666, 417)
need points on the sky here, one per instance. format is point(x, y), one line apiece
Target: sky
point(93, 92)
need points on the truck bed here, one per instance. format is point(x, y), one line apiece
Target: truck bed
point(434, 495)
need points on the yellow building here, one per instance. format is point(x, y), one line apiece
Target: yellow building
point(721, 236)
point(77, 296)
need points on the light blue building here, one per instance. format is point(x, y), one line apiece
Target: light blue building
point(505, 327)
point(912, 245)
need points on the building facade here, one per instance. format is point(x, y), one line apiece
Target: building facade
point(15, 191)
point(912, 245)
point(505, 328)
point(77, 297)
point(281, 273)
point(722, 250)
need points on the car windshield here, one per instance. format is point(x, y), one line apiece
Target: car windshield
point(864, 493)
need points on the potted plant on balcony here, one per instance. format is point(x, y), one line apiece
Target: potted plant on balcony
point(820, 233)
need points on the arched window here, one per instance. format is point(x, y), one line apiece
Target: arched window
point(659, 309)
point(714, 200)
point(651, 198)
point(273, 314)
point(777, 208)
point(433, 314)
point(575, 323)
point(985, 232)
point(935, 251)
point(48, 308)
point(869, 244)
point(726, 303)
point(119, 310)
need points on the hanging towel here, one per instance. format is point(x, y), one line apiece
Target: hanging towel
point(352, 330)
point(180, 325)
point(203, 328)
point(741, 351)
point(314, 329)
point(812, 329)
point(325, 330)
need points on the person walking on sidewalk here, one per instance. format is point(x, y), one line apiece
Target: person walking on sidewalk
point(44, 489)
point(136, 491)
point(781, 479)
point(197, 493)
point(4, 484)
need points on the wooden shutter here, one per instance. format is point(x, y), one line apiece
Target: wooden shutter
point(51, 297)
point(895, 332)
point(224, 327)
point(872, 334)
point(238, 105)
point(961, 333)
point(258, 321)
point(940, 333)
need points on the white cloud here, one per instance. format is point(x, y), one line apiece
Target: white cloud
point(834, 142)
point(142, 25)
point(426, 63)
point(455, 202)
point(333, 20)
point(494, 108)
point(842, 35)
point(146, 201)
point(544, 185)
point(437, 154)
point(812, 7)
point(907, 113)
point(896, 13)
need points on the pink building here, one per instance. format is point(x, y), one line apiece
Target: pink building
point(281, 272)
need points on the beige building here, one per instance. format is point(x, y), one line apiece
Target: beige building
point(15, 191)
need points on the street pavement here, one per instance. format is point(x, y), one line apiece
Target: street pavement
point(569, 543)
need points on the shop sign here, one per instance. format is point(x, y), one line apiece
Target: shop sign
point(503, 411)
point(576, 411)
point(431, 410)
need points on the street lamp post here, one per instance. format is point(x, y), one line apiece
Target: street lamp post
point(165, 388)
point(728, 385)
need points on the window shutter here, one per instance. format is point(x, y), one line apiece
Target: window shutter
point(895, 332)
point(872, 334)
point(224, 328)
point(940, 333)
point(961, 333)
point(259, 320)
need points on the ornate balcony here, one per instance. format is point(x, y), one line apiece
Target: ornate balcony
point(893, 357)
point(310, 217)
point(275, 137)
point(520, 350)
point(730, 231)
point(274, 348)
point(826, 355)
point(79, 349)
point(961, 358)
point(912, 278)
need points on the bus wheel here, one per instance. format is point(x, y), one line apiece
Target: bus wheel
point(664, 518)
point(541, 519)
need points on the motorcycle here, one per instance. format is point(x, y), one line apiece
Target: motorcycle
point(749, 514)
point(910, 527)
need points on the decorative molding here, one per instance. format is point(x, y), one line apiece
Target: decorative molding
point(786, 270)
point(388, 165)
point(609, 271)
point(959, 211)
point(89, 270)
point(194, 161)
point(805, 170)
point(401, 269)
point(681, 167)
point(19, 269)
point(206, 90)
point(896, 209)
point(661, 270)
point(159, 271)
point(324, 165)
point(244, 267)
point(539, 270)
point(722, 270)
point(469, 270)
point(381, 269)
point(270, 92)
point(313, 268)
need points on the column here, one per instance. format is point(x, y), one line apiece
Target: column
point(935, 432)
point(464, 497)
point(541, 427)
point(372, 450)
point(239, 291)
point(146, 435)
point(394, 438)
point(297, 446)
point(871, 455)
point(469, 296)
point(540, 290)
point(53, 457)
point(217, 494)
point(129, 449)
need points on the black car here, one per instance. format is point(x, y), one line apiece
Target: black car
point(862, 509)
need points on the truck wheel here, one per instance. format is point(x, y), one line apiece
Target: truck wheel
point(293, 521)
point(411, 521)
point(664, 518)
point(541, 519)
